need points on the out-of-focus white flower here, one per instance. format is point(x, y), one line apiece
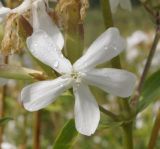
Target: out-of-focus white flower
point(133, 41)
point(125, 4)
point(44, 45)
point(156, 58)
point(6, 145)
point(139, 121)
point(136, 38)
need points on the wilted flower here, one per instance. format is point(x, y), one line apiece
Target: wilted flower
point(44, 45)
point(125, 4)
point(12, 41)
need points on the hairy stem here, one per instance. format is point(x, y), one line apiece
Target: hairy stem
point(155, 131)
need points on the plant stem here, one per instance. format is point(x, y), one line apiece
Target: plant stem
point(37, 127)
point(155, 131)
point(2, 103)
point(2, 90)
point(107, 15)
point(128, 141)
point(108, 113)
point(124, 104)
point(135, 99)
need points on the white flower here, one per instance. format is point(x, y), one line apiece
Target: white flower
point(22, 8)
point(6, 145)
point(125, 4)
point(41, 21)
point(4, 11)
point(46, 44)
point(133, 41)
point(83, 73)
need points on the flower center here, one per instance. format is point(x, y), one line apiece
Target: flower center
point(77, 76)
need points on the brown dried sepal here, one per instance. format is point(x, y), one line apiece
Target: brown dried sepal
point(11, 42)
point(84, 7)
point(71, 13)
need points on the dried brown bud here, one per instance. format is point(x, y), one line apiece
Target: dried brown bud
point(71, 12)
point(84, 7)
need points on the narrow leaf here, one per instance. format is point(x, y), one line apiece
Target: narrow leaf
point(5, 120)
point(67, 136)
point(20, 73)
point(150, 91)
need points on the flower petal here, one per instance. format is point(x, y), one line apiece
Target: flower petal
point(23, 7)
point(114, 81)
point(126, 4)
point(87, 113)
point(41, 20)
point(43, 48)
point(3, 12)
point(107, 46)
point(40, 94)
point(114, 4)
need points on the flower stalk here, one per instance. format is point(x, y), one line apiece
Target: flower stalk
point(128, 135)
point(37, 128)
point(3, 90)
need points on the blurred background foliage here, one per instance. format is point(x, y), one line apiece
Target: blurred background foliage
point(19, 131)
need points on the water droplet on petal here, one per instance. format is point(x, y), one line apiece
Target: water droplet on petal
point(61, 85)
point(56, 64)
point(115, 48)
point(35, 44)
point(61, 55)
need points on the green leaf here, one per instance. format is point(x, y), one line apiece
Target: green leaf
point(5, 120)
point(67, 136)
point(20, 73)
point(109, 123)
point(150, 91)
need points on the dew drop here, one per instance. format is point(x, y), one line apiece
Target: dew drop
point(61, 85)
point(115, 48)
point(56, 64)
point(61, 55)
point(35, 44)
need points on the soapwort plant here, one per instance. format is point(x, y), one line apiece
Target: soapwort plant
point(54, 39)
